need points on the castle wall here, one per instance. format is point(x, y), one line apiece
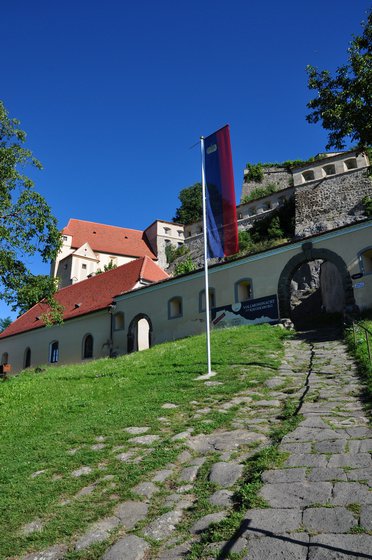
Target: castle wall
point(331, 202)
point(279, 176)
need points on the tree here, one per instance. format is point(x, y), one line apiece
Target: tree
point(191, 209)
point(27, 226)
point(344, 102)
point(4, 323)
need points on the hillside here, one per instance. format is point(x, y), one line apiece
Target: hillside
point(61, 420)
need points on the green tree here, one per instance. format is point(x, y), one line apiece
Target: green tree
point(27, 226)
point(191, 209)
point(4, 323)
point(344, 102)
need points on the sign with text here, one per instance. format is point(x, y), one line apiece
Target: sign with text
point(250, 312)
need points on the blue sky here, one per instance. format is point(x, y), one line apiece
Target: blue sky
point(113, 94)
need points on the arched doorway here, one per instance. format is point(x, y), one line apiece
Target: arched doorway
point(315, 286)
point(139, 333)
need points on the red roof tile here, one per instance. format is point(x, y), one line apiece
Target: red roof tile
point(90, 295)
point(108, 239)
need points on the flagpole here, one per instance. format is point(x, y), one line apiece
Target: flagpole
point(207, 321)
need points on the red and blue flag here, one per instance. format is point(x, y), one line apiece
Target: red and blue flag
point(222, 226)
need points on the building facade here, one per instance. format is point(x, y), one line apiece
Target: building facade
point(172, 308)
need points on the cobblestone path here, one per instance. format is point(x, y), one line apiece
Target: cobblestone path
point(319, 502)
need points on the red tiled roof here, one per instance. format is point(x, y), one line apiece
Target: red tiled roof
point(108, 239)
point(90, 295)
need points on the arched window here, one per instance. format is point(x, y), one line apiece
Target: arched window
point(243, 289)
point(365, 260)
point(351, 163)
point(308, 175)
point(175, 308)
point(329, 169)
point(212, 299)
point(53, 352)
point(5, 358)
point(119, 321)
point(27, 358)
point(88, 346)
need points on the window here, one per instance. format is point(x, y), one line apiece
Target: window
point(84, 266)
point(64, 237)
point(175, 308)
point(27, 360)
point(351, 163)
point(243, 289)
point(180, 233)
point(65, 266)
point(189, 234)
point(200, 229)
point(167, 230)
point(5, 358)
point(212, 299)
point(329, 169)
point(365, 261)
point(53, 352)
point(88, 346)
point(308, 175)
point(167, 241)
point(119, 321)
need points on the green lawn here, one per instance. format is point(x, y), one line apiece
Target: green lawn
point(46, 415)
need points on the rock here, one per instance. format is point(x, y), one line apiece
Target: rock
point(279, 549)
point(328, 520)
point(56, 552)
point(128, 548)
point(225, 474)
point(284, 475)
point(163, 526)
point(130, 513)
point(34, 526)
point(206, 521)
point(189, 474)
point(257, 522)
point(162, 475)
point(296, 494)
point(146, 489)
point(144, 440)
point(98, 532)
point(81, 472)
point(222, 498)
point(137, 430)
point(334, 547)
point(169, 406)
point(123, 457)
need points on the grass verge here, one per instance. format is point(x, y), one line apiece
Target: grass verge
point(52, 422)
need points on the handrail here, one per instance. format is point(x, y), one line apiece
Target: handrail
point(366, 333)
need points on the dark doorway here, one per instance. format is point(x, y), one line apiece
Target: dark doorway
point(315, 288)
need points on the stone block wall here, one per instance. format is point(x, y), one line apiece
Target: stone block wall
point(331, 202)
point(280, 176)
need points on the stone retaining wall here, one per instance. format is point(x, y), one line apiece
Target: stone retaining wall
point(331, 202)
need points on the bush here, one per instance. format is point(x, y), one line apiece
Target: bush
point(184, 267)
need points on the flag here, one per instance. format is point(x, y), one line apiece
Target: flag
point(222, 226)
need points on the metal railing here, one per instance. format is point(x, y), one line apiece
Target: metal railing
point(367, 334)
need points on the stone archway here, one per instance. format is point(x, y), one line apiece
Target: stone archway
point(139, 333)
point(310, 254)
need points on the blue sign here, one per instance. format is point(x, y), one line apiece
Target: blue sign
point(250, 312)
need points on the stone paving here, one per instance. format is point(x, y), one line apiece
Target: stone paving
point(319, 502)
